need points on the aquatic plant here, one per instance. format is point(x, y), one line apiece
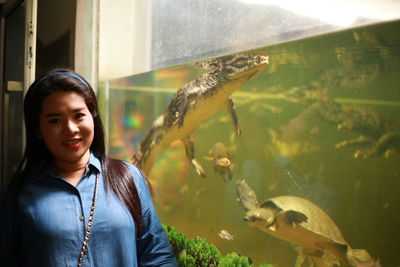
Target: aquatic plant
point(197, 252)
point(234, 260)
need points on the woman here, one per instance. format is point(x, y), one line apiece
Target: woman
point(68, 204)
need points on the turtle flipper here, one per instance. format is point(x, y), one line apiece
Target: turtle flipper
point(227, 175)
point(208, 158)
point(294, 217)
point(336, 249)
point(308, 257)
point(224, 171)
point(349, 256)
point(301, 258)
point(358, 257)
point(317, 258)
point(189, 148)
point(232, 112)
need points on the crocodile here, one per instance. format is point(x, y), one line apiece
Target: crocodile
point(197, 101)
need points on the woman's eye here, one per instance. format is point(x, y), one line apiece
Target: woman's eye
point(79, 115)
point(54, 121)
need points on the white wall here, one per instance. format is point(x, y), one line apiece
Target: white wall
point(124, 38)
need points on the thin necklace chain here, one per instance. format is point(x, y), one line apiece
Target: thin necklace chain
point(90, 223)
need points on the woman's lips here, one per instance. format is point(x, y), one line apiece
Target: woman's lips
point(72, 144)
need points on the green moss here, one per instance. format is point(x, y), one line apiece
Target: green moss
point(197, 252)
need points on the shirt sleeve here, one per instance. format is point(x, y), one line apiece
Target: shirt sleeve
point(153, 247)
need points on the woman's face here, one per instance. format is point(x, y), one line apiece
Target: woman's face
point(66, 127)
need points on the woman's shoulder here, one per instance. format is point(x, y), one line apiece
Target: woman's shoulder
point(137, 173)
point(138, 177)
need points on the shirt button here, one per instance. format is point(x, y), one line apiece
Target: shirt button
point(81, 218)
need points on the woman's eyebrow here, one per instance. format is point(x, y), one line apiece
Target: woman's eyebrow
point(79, 110)
point(59, 114)
point(52, 114)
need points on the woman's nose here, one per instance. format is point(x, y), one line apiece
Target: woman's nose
point(71, 127)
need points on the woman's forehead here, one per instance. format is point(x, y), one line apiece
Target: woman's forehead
point(63, 101)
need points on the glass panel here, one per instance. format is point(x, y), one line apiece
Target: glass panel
point(187, 30)
point(320, 123)
point(156, 34)
point(14, 71)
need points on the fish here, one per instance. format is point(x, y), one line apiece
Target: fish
point(224, 234)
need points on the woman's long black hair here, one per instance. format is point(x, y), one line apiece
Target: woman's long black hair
point(117, 176)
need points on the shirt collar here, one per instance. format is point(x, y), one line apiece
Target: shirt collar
point(94, 164)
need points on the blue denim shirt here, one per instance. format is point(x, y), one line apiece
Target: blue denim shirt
point(53, 215)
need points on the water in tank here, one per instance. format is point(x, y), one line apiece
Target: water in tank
point(287, 154)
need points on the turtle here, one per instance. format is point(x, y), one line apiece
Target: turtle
point(221, 160)
point(301, 222)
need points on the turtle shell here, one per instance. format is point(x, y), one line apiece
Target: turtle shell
point(300, 221)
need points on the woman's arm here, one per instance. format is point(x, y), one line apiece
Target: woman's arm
point(153, 247)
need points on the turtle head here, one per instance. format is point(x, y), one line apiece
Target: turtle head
point(222, 161)
point(261, 218)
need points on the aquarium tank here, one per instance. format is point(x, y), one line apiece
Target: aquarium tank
point(287, 154)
